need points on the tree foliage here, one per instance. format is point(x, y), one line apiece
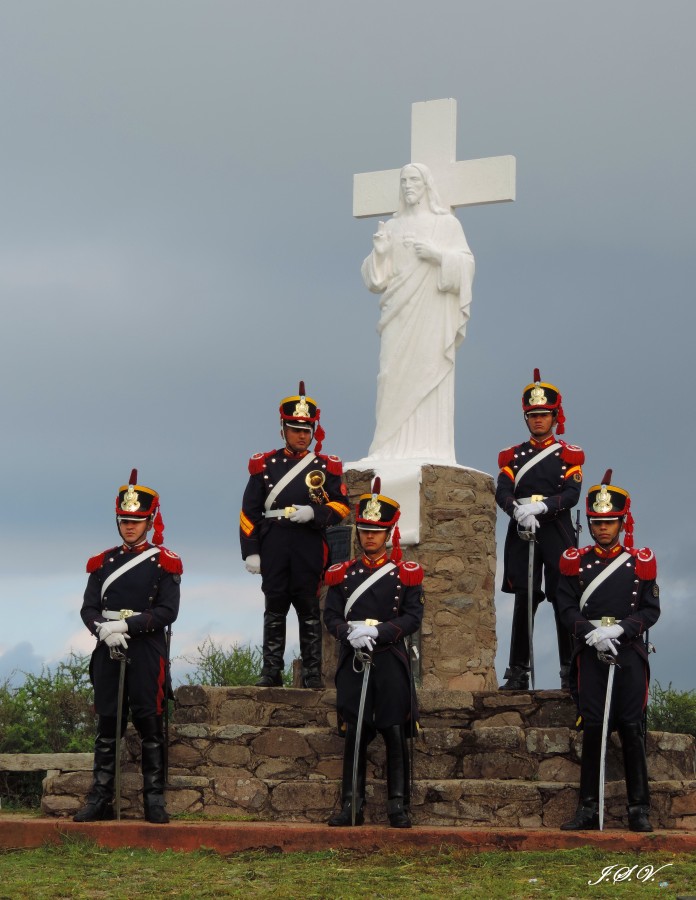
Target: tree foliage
point(672, 710)
point(238, 665)
point(49, 713)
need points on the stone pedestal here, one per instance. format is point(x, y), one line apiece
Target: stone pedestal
point(457, 550)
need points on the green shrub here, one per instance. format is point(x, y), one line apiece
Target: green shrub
point(241, 664)
point(671, 710)
point(49, 713)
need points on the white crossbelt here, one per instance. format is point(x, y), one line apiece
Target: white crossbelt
point(552, 448)
point(139, 558)
point(359, 591)
point(285, 480)
point(610, 569)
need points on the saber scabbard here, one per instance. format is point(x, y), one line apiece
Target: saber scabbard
point(364, 658)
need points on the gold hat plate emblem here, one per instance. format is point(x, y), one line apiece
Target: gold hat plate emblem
point(373, 510)
point(301, 409)
point(602, 503)
point(130, 502)
point(537, 397)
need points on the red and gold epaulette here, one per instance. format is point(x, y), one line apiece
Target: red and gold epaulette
point(646, 563)
point(335, 574)
point(570, 560)
point(334, 465)
point(170, 561)
point(505, 457)
point(257, 463)
point(572, 454)
point(410, 573)
point(96, 562)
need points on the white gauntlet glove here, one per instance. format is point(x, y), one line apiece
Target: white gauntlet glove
point(302, 515)
point(117, 640)
point(104, 629)
point(253, 564)
point(606, 646)
point(521, 510)
point(362, 636)
point(603, 633)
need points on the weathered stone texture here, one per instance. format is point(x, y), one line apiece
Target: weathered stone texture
point(457, 551)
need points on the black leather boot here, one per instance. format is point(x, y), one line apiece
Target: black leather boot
point(310, 650)
point(636, 772)
point(587, 814)
point(517, 672)
point(565, 650)
point(398, 793)
point(100, 800)
point(344, 817)
point(152, 736)
point(273, 650)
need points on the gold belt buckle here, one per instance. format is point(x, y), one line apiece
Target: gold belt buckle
point(608, 620)
point(125, 613)
point(289, 510)
point(536, 498)
point(374, 622)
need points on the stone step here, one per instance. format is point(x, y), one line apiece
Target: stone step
point(473, 751)
point(237, 794)
point(296, 707)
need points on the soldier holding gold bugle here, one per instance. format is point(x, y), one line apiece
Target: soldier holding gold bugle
point(293, 495)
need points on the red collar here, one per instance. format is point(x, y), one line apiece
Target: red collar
point(608, 554)
point(374, 563)
point(292, 455)
point(138, 549)
point(542, 445)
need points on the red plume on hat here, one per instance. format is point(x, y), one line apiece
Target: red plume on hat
point(628, 515)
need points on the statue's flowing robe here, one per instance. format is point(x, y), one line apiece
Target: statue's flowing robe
point(424, 311)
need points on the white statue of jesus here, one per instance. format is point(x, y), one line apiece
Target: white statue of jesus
point(422, 266)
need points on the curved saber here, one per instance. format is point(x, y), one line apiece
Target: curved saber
point(530, 608)
point(529, 536)
point(122, 659)
point(605, 734)
point(366, 660)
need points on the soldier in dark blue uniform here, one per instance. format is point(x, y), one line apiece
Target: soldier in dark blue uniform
point(538, 484)
point(292, 496)
point(608, 598)
point(373, 603)
point(132, 597)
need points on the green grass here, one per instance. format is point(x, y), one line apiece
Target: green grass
point(78, 869)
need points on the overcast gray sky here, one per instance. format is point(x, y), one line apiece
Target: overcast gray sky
point(177, 250)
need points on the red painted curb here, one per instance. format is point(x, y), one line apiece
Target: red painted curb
point(17, 832)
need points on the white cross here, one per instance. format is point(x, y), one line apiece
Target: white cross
point(434, 143)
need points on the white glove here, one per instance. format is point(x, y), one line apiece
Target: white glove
point(531, 523)
point(104, 629)
point(302, 515)
point(253, 564)
point(606, 646)
point(603, 633)
point(529, 509)
point(117, 640)
point(357, 643)
point(362, 636)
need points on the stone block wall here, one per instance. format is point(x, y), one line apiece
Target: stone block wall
point(457, 551)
